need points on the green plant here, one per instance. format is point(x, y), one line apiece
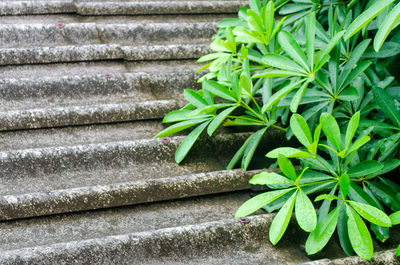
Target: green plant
point(323, 65)
point(357, 186)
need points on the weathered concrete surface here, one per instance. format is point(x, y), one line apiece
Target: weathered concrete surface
point(119, 7)
point(128, 193)
point(52, 35)
point(201, 241)
point(97, 52)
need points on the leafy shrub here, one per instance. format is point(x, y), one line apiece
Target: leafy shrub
point(305, 66)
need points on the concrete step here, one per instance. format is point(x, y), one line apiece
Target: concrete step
point(56, 34)
point(99, 52)
point(82, 168)
point(192, 231)
point(120, 7)
point(91, 93)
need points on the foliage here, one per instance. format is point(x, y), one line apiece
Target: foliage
point(303, 66)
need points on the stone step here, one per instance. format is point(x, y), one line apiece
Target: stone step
point(123, 34)
point(82, 168)
point(137, 82)
point(99, 52)
point(91, 93)
point(190, 231)
point(120, 7)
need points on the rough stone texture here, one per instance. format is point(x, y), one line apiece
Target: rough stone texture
point(96, 52)
point(387, 257)
point(119, 7)
point(52, 35)
point(175, 245)
point(128, 193)
point(90, 114)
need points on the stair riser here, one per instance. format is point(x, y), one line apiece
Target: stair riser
point(161, 86)
point(85, 115)
point(15, 56)
point(39, 35)
point(121, 8)
point(89, 198)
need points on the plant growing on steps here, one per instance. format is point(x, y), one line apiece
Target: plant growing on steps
point(348, 187)
point(323, 66)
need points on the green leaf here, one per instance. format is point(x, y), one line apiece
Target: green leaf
point(395, 218)
point(331, 44)
point(331, 130)
point(289, 152)
point(218, 90)
point(343, 233)
point(388, 25)
point(279, 95)
point(188, 142)
point(281, 221)
point(269, 178)
point(282, 62)
point(297, 98)
point(292, 48)
point(305, 212)
point(344, 183)
point(251, 147)
point(318, 238)
point(255, 6)
point(268, 19)
point(238, 154)
point(246, 84)
point(276, 73)
point(300, 129)
point(179, 127)
point(349, 94)
point(388, 165)
point(354, 58)
point(194, 98)
point(351, 129)
point(386, 103)
point(219, 119)
point(310, 38)
point(213, 56)
point(328, 197)
point(259, 201)
point(359, 235)
point(398, 251)
point(358, 144)
point(366, 17)
point(287, 167)
point(364, 168)
point(384, 194)
point(372, 214)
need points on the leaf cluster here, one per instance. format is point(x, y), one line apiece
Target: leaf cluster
point(324, 72)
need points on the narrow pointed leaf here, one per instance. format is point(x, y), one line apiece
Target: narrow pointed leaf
point(310, 38)
point(282, 62)
point(351, 129)
point(318, 238)
point(218, 90)
point(179, 127)
point(364, 168)
point(300, 129)
point(298, 96)
point(287, 167)
point(331, 130)
point(366, 17)
point(194, 98)
point(259, 201)
point(386, 103)
point(269, 178)
point(387, 26)
point(292, 48)
point(281, 221)
point(287, 152)
point(395, 218)
point(188, 142)
point(219, 119)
